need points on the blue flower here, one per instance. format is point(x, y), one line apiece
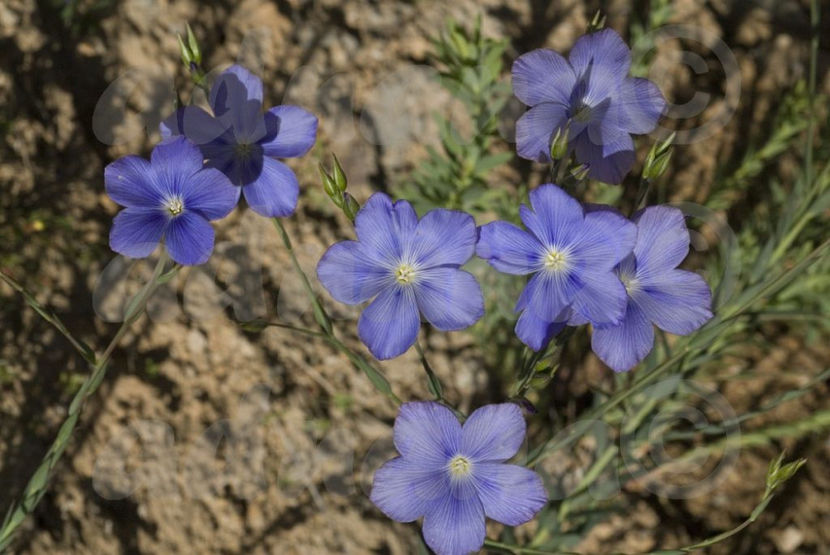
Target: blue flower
point(409, 266)
point(571, 254)
point(173, 196)
point(455, 475)
point(593, 96)
point(676, 301)
point(242, 141)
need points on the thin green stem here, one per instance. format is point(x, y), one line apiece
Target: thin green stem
point(517, 550)
point(39, 482)
point(433, 382)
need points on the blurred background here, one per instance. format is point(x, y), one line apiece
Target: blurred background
point(213, 437)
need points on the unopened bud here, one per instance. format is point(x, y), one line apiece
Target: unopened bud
point(580, 171)
point(193, 46)
point(339, 176)
point(330, 187)
point(350, 206)
point(597, 22)
point(559, 143)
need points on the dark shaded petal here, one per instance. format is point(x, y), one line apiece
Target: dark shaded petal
point(233, 88)
point(349, 275)
point(427, 433)
point(291, 131)
point(389, 325)
point(601, 299)
point(542, 75)
point(535, 332)
point(194, 123)
point(210, 193)
point(607, 57)
point(510, 494)
point(137, 231)
point(455, 526)
point(405, 491)
point(130, 181)
point(493, 433)
point(443, 237)
point(556, 218)
point(450, 299)
point(386, 227)
point(636, 106)
point(609, 162)
point(662, 240)
point(535, 129)
point(623, 346)
point(677, 301)
point(274, 192)
point(509, 249)
point(189, 239)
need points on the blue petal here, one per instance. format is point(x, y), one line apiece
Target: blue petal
point(455, 526)
point(210, 193)
point(291, 131)
point(444, 237)
point(535, 332)
point(194, 123)
point(137, 231)
point(548, 294)
point(385, 227)
point(677, 301)
point(535, 129)
point(427, 433)
point(405, 491)
point(130, 181)
point(637, 106)
point(450, 299)
point(608, 162)
point(510, 494)
point(662, 240)
point(601, 299)
point(233, 88)
point(493, 433)
point(556, 218)
point(509, 249)
point(389, 325)
point(189, 239)
point(173, 160)
point(622, 346)
point(607, 57)
point(274, 192)
point(349, 273)
point(542, 75)
point(606, 239)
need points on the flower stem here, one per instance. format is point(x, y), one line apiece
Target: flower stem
point(38, 483)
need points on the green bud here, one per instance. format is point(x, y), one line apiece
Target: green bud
point(350, 206)
point(559, 143)
point(330, 187)
point(193, 44)
point(339, 176)
point(777, 473)
point(597, 22)
point(658, 158)
point(580, 171)
point(187, 57)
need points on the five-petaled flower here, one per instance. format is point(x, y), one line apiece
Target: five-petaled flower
point(171, 197)
point(242, 141)
point(592, 96)
point(454, 475)
point(676, 301)
point(410, 267)
point(571, 254)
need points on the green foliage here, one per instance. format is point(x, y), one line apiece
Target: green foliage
point(456, 176)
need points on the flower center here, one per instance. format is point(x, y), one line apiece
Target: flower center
point(405, 274)
point(556, 260)
point(243, 150)
point(175, 206)
point(630, 283)
point(460, 466)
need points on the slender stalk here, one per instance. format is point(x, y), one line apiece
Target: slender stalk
point(39, 482)
point(433, 382)
point(517, 550)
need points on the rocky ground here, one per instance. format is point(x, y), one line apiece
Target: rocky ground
point(207, 438)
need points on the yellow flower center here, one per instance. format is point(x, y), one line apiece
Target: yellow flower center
point(243, 150)
point(629, 282)
point(405, 274)
point(556, 260)
point(175, 206)
point(460, 466)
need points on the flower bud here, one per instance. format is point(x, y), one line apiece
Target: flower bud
point(339, 176)
point(330, 187)
point(350, 206)
point(559, 143)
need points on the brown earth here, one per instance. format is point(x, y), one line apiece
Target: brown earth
point(207, 438)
